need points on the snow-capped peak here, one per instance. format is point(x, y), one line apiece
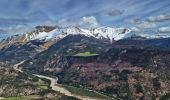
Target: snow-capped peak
point(111, 33)
point(99, 33)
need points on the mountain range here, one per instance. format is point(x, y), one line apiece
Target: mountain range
point(43, 37)
point(108, 60)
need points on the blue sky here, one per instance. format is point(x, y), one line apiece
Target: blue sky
point(19, 16)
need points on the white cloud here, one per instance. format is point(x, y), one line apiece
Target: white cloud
point(135, 29)
point(18, 29)
point(158, 18)
point(133, 21)
point(85, 22)
point(145, 24)
point(88, 22)
point(141, 24)
point(164, 30)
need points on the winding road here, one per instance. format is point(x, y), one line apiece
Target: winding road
point(54, 85)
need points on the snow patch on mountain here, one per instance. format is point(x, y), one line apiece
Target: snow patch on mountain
point(110, 33)
point(43, 35)
point(99, 33)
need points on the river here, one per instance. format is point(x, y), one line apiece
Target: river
point(54, 85)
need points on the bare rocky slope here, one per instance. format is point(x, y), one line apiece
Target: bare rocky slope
point(19, 47)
